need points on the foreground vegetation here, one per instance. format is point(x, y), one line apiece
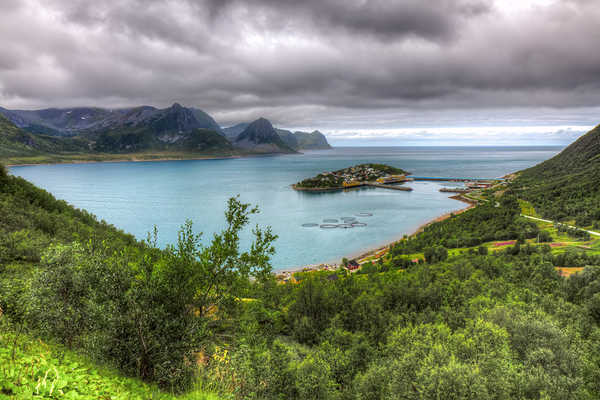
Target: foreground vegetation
point(31, 368)
point(473, 307)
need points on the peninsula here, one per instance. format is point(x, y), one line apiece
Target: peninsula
point(379, 175)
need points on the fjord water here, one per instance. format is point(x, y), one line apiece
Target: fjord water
point(135, 196)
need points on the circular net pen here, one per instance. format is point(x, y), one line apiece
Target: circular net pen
point(345, 226)
point(328, 226)
point(358, 224)
point(364, 214)
point(330, 221)
point(309, 225)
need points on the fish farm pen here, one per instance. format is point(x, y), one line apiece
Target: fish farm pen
point(342, 223)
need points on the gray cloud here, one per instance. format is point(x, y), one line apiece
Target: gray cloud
point(315, 62)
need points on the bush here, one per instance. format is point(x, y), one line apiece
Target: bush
point(435, 254)
point(146, 310)
point(544, 237)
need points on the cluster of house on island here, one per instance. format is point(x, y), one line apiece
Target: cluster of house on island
point(384, 180)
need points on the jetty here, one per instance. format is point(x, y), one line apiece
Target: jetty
point(455, 190)
point(384, 186)
point(454, 179)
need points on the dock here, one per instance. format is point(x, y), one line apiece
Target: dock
point(454, 179)
point(454, 190)
point(393, 187)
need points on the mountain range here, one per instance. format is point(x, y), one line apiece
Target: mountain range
point(144, 129)
point(298, 140)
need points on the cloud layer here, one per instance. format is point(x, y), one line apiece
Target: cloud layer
point(311, 63)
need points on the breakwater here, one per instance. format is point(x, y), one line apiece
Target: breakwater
point(393, 187)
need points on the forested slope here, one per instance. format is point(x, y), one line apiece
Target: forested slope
point(567, 186)
point(470, 319)
point(41, 297)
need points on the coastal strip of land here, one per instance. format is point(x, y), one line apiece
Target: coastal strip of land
point(112, 158)
point(378, 252)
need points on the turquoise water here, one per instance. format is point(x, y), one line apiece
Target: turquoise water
point(135, 196)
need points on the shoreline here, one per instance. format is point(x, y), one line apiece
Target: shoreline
point(379, 249)
point(363, 254)
point(158, 159)
point(121, 160)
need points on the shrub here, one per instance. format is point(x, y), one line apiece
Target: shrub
point(148, 310)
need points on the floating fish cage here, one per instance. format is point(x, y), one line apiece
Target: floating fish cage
point(346, 222)
point(328, 226)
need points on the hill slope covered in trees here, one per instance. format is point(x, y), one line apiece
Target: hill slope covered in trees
point(473, 322)
point(567, 186)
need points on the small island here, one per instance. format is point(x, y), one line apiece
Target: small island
point(378, 175)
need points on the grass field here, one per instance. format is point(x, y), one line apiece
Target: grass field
point(527, 209)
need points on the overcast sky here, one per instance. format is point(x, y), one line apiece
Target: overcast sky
point(363, 71)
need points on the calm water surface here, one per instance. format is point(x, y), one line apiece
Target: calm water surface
point(135, 196)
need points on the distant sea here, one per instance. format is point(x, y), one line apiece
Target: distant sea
point(135, 196)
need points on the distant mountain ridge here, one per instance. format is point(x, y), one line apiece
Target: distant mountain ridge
point(314, 140)
point(81, 120)
point(261, 137)
point(233, 132)
point(295, 140)
point(145, 129)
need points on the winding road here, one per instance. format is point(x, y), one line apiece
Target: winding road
point(552, 222)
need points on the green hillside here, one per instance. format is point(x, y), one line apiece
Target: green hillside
point(144, 139)
point(34, 369)
point(567, 186)
point(483, 305)
point(31, 222)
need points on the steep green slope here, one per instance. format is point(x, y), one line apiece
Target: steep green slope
point(139, 139)
point(46, 371)
point(567, 186)
point(84, 285)
point(31, 220)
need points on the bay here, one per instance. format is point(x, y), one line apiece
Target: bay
point(135, 196)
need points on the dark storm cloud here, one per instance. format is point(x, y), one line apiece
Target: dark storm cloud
point(433, 19)
point(301, 62)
